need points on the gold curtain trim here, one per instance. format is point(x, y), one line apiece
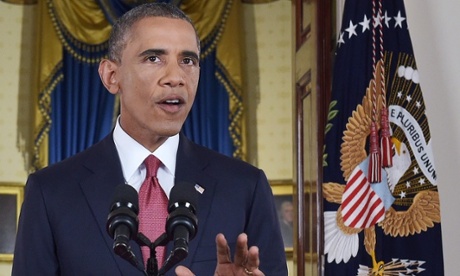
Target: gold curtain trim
point(80, 24)
point(229, 57)
point(236, 115)
point(209, 18)
point(40, 158)
point(48, 57)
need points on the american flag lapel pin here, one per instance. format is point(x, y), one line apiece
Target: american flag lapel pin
point(199, 189)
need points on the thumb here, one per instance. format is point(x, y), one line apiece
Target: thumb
point(183, 271)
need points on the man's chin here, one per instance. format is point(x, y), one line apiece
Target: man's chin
point(171, 132)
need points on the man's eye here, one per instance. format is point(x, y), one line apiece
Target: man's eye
point(153, 59)
point(189, 61)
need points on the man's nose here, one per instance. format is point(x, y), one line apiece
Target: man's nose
point(173, 75)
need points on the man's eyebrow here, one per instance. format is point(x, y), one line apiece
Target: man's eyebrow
point(191, 54)
point(152, 52)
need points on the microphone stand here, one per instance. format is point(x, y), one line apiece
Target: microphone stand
point(152, 262)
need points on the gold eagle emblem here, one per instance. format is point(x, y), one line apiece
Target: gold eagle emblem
point(341, 241)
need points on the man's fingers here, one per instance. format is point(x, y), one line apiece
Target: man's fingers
point(253, 258)
point(183, 271)
point(223, 251)
point(253, 262)
point(245, 260)
point(241, 252)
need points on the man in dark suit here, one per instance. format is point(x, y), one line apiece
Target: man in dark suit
point(153, 65)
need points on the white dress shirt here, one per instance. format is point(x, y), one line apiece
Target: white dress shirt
point(132, 155)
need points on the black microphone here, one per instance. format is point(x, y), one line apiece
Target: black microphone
point(122, 222)
point(181, 224)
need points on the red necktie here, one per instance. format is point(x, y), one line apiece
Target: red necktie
point(153, 205)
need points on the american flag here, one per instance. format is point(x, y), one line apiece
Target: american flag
point(361, 206)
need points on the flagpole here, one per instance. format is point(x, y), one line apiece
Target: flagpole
point(325, 51)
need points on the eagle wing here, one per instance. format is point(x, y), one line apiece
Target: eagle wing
point(421, 215)
point(332, 192)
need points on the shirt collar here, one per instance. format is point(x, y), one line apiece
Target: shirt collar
point(132, 154)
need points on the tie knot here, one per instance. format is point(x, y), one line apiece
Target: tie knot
point(152, 164)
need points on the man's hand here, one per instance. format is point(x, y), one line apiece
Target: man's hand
point(246, 261)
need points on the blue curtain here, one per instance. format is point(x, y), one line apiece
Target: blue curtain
point(208, 121)
point(82, 110)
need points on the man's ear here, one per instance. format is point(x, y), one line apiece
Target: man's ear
point(107, 72)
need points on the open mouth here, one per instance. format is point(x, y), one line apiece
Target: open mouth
point(172, 105)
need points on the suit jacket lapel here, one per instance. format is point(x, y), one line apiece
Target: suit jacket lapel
point(105, 174)
point(190, 167)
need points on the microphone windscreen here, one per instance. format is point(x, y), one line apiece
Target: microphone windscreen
point(183, 192)
point(125, 195)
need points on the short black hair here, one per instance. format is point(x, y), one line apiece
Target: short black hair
point(122, 27)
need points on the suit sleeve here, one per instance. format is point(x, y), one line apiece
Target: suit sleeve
point(263, 229)
point(34, 252)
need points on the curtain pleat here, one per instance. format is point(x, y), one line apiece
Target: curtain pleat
point(208, 121)
point(81, 110)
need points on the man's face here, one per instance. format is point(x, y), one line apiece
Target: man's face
point(157, 79)
point(288, 212)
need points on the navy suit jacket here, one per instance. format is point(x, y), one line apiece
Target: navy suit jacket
point(62, 226)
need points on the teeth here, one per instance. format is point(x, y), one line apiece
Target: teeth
point(172, 101)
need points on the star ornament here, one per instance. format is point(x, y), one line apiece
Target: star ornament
point(365, 24)
point(351, 30)
point(399, 20)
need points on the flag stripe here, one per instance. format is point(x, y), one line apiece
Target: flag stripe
point(361, 206)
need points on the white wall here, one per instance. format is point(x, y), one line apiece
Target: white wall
point(434, 27)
